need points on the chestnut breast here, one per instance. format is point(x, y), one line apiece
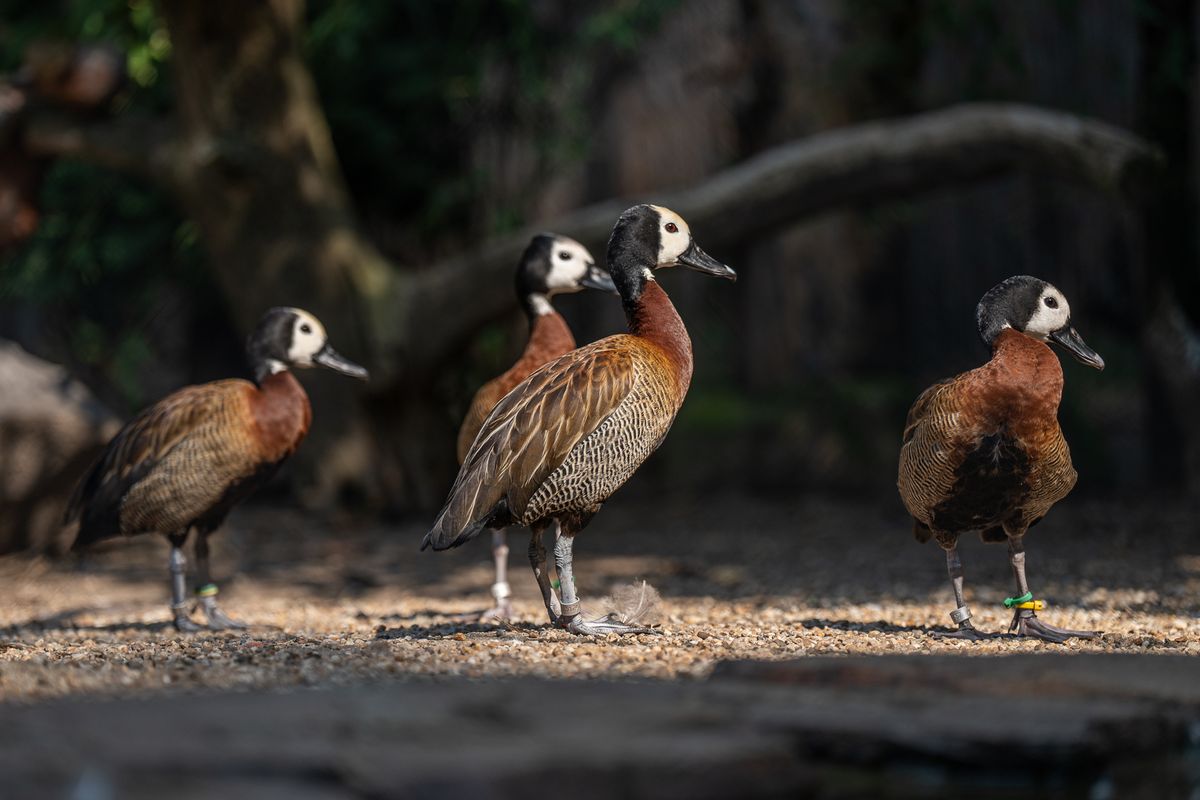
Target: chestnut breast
point(281, 416)
point(1019, 389)
point(985, 448)
point(549, 338)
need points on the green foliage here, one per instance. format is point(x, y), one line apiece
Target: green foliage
point(98, 267)
point(133, 26)
point(108, 247)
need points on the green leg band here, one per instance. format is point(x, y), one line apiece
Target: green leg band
point(207, 590)
point(556, 584)
point(1009, 602)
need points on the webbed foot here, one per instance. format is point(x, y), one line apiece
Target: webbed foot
point(185, 624)
point(603, 626)
point(1026, 623)
point(218, 620)
point(503, 608)
point(498, 613)
point(965, 632)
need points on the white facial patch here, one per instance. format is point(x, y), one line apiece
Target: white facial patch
point(1051, 314)
point(569, 263)
point(308, 337)
point(674, 236)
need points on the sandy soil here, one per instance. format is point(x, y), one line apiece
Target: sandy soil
point(337, 601)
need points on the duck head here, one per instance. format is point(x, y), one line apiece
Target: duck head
point(1035, 308)
point(554, 264)
point(647, 238)
point(291, 337)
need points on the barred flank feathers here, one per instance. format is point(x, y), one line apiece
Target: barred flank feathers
point(530, 434)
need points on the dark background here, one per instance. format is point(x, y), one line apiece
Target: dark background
point(455, 124)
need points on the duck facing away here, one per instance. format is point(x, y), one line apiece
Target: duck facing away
point(559, 444)
point(983, 450)
point(186, 461)
point(550, 265)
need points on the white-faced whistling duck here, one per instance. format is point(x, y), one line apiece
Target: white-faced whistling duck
point(186, 461)
point(983, 450)
point(550, 265)
point(559, 444)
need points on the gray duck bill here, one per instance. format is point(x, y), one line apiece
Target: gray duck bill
point(328, 357)
point(597, 278)
point(697, 259)
point(1069, 338)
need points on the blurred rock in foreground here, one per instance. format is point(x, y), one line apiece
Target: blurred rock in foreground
point(951, 727)
point(51, 427)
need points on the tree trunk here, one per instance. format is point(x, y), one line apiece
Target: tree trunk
point(258, 174)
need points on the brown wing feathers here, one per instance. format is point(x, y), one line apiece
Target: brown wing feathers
point(167, 463)
point(529, 434)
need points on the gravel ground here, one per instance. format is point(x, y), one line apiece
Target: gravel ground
point(341, 602)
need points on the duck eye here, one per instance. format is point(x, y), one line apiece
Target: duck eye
point(564, 255)
point(672, 227)
point(306, 328)
point(1050, 302)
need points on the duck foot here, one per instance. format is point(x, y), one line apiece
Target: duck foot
point(603, 626)
point(1026, 623)
point(185, 624)
point(218, 620)
point(966, 632)
point(503, 608)
point(501, 612)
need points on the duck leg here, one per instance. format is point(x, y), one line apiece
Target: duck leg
point(1025, 622)
point(500, 589)
point(961, 615)
point(207, 591)
point(180, 604)
point(537, 559)
point(571, 618)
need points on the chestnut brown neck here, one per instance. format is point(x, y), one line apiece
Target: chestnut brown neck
point(1025, 375)
point(282, 414)
point(653, 317)
point(549, 337)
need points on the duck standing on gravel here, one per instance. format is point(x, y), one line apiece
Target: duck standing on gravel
point(559, 444)
point(550, 265)
point(983, 450)
point(186, 461)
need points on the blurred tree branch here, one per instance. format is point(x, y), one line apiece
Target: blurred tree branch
point(863, 164)
point(140, 146)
